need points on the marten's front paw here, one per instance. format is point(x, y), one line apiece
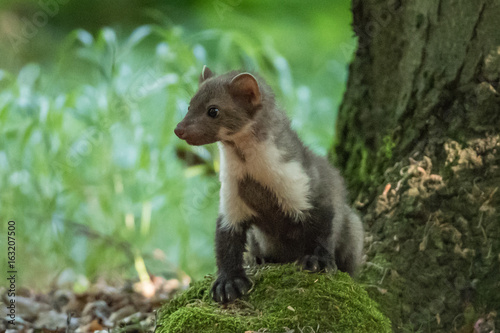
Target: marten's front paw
point(315, 263)
point(228, 288)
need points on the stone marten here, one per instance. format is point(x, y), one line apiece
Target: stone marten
point(277, 197)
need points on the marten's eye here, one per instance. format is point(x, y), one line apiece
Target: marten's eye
point(213, 112)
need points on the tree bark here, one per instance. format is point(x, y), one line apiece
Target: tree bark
point(418, 139)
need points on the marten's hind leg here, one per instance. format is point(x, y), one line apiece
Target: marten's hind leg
point(321, 260)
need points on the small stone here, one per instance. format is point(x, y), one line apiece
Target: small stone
point(96, 307)
point(122, 313)
point(53, 320)
point(29, 308)
point(134, 318)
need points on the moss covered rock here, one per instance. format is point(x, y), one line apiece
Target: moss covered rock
point(282, 299)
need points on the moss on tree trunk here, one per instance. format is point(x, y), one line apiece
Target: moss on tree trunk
point(418, 139)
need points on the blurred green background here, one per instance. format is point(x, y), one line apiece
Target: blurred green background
point(90, 92)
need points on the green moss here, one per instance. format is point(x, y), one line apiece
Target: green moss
point(388, 146)
point(380, 270)
point(282, 298)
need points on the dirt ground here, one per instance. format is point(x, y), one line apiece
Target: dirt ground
point(129, 308)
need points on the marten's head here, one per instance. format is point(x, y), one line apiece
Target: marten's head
point(223, 107)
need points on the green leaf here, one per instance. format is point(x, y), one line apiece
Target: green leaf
point(137, 36)
point(85, 37)
point(28, 75)
point(109, 36)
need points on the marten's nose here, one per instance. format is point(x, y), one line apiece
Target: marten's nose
point(179, 131)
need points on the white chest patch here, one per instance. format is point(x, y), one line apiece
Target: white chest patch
point(263, 163)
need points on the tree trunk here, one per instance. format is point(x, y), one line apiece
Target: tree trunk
point(418, 140)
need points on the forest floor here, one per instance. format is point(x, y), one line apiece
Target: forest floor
point(130, 308)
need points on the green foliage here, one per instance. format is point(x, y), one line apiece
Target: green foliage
point(282, 298)
point(88, 160)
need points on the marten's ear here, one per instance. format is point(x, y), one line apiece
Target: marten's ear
point(245, 85)
point(206, 73)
